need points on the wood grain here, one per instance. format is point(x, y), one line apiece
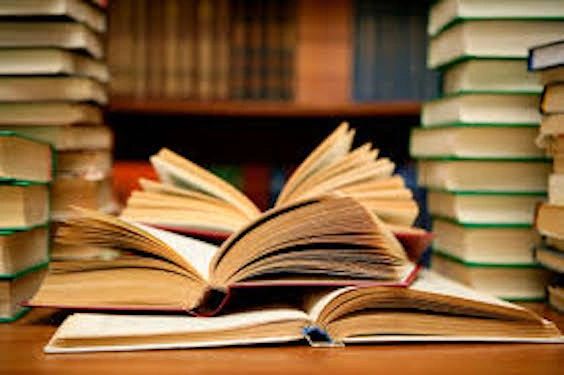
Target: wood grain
point(21, 346)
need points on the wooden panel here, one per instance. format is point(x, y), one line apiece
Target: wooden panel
point(323, 68)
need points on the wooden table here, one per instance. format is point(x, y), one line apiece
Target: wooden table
point(21, 352)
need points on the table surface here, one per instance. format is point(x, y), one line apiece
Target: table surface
point(21, 345)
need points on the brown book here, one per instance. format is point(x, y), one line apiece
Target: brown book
point(552, 99)
point(549, 219)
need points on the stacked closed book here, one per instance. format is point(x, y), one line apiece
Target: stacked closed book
point(202, 49)
point(25, 172)
point(52, 89)
point(476, 148)
point(548, 61)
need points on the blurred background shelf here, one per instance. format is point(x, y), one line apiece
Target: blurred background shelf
point(263, 108)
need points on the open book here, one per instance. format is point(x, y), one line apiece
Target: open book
point(192, 200)
point(431, 309)
point(319, 241)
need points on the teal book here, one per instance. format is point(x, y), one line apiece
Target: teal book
point(491, 38)
point(476, 142)
point(514, 282)
point(17, 288)
point(485, 243)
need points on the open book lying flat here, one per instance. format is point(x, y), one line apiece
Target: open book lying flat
point(432, 309)
point(320, 241)
point(192, 200)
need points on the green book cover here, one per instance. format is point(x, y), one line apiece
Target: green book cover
point(18, 315)
point(481, 225)
point(445, 254)
point(24, 272)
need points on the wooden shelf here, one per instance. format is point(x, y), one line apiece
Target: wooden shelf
point(263, 108)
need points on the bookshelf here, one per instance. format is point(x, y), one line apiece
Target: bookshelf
point(262, 108)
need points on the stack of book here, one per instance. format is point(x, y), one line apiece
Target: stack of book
point(52, 89)
point(476, 149)
point(548, 61)
point(202, 49)
point(26, 169)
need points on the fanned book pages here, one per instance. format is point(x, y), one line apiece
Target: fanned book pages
point(432, 309)
point(191, 200)
point(322, 241)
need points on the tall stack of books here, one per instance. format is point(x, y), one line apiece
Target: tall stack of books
point(476, 149)
point(26, 169)
point(548, 60)
point(52, 89)
point(202, 49)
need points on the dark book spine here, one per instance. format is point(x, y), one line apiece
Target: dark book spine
point(237, 52)
point(288, 26)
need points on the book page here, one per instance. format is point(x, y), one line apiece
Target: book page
point(198, 253)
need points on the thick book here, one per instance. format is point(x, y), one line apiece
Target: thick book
point(18, 287)
point(77, 10)
point(445, 13)
point(514, 282)
point(556, 189)
point(20, 250)
point(496, 141)
point(508, 39)
point(501, 76)
point(49, 62)
point(25, 159)
point(95, 192)
point(547, 56)
point(550, 128)
point(485, 208)
point(550, 258)
point(556, 297)
point(52, 89)
point(191, 200)
point(507, 176)
point(432, 309)
point(549, 219)
point(65, 35)
point(40, 114)
point(481, 243)
point(323, 241)
point(24, 204)
point(552, 99)
point(482, 109)
point(67, 137)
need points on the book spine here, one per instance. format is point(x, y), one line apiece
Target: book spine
point(256, 51)
point(237, 52)
point(288, 40)
point(139, 47)
point(205, 50)
point(223, 52)
point(170, 48)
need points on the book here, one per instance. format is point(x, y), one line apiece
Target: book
point(551, 126)
point(556, 189)
point(550, 258)
point(323, 241)
point(39, 114)
point(555, 243)
point(482, 109)
point(556, 297)
point(551, 75)
point(77, 10)
point(188, 198)
point(549, 219)
point(547, 56)
point(487, 38)
point(490, 76)
point(483, 208)
point(485, 244)
point(71, 190)
point(20, 250)
point(24, 159)
point(23, 205)
point(49, 62)
point(552, 98)
point(469, 142)
point(66, 35)
point(52, 89)
point(446, 13)
point(17, 288)
point(526, 282)
point(432, 309)
point(67, 137)
point(88, 164)
point(495, 176)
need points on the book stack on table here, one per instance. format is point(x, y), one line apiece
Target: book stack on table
point(26, 169)
point(476, 148)
point(52, 89)
point(548, 61)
